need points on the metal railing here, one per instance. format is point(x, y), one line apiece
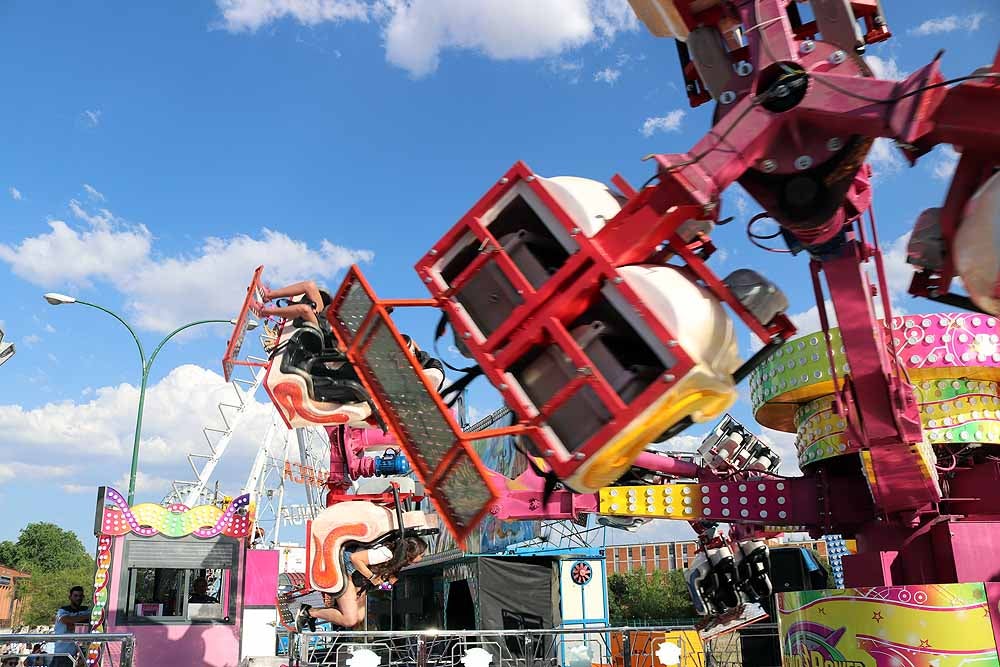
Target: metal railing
point(112, 650)
point(563, 647)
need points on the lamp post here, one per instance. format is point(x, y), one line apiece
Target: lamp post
point(55, 299)
point(6, 350)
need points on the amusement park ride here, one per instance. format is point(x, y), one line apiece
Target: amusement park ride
point(595, 314)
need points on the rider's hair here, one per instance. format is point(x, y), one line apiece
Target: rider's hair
point(412, 548)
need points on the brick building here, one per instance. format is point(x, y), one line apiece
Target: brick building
point(672, 555)
point(10, 607)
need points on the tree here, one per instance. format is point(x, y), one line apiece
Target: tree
point(44, 547)
point(45, 592)
point(8, 553)
point(655, 597)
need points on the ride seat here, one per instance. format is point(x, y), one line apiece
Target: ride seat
point(358, 524)
point(311, 383)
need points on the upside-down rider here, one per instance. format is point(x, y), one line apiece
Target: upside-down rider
point(365, 568)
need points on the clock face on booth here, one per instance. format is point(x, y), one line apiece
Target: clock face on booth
point(581, 573)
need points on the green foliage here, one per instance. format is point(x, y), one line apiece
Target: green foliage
point(8, 553)
point(825, 563)
point(44, 547)
point(660, 595)
point(45, 592)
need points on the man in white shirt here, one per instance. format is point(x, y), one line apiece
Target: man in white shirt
point(67, 619)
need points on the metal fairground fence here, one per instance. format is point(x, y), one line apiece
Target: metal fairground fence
point(664, 646)
point(93, 650)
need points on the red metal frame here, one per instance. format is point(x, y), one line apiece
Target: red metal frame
point(231, 357)
point(355, 346)
point(544, 314)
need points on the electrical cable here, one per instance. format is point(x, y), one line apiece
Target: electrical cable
point(917, 91)
point(755, 238)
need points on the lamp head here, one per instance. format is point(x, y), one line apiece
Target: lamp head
point(56, 299)
point(251, 324)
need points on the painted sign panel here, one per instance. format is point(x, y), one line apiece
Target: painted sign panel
point(940, 625)
point(493, 536)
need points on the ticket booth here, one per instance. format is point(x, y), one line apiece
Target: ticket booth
point(175, 577)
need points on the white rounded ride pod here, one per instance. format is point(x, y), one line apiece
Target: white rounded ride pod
point(589, 203)
point(977, 246)
point(692, 313)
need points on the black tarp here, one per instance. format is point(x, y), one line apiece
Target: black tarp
point(516, 594)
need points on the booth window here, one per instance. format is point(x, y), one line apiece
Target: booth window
point(178, 581)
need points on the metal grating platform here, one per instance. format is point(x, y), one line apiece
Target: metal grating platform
point(445, 462)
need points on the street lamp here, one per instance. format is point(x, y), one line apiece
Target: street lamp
point(6, 350)
point(56, 299)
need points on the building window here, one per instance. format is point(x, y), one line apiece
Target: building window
point(177, 594)
point(184, 581)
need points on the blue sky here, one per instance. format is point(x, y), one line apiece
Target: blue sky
point(153, 155)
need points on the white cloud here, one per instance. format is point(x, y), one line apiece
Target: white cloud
point(11, 470)
point(163, 291)
point(668, 123)
point(784, 444)
point(102, 250)
point(607, 75)
point(566, 69)
point(15, 194)
point(52, 358)
point(943, 167)
point(144, 484)
point(250, 15)
point(885, 68)
point(416, 32)
point(884, 158)
point(31, 339)
point(898, 273)
point(92, 117)
point(680, 443)
point(49, 328)
point(92, 192)
point(951, 23)
point(95, 433)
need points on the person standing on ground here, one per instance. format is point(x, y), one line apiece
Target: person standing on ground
point(67, 619)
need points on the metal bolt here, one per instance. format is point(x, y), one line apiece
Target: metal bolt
point(574, 231)
point(503, 387)
point(768, 165)
point(466, 335)
point(432, 252)
point(835, 144)
point(781, 91)
point(669, 377)
point(529, 178)
point(727, 97)
point(838, 57)
point(803, 162)
point(618, 281)
point(808, 46)
point(672, 343)
point(743, 68)
point(579, 456)
point(709, 207)
point(547, 454)
point(427, 279)
point(583, 370)
point(504, 180)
